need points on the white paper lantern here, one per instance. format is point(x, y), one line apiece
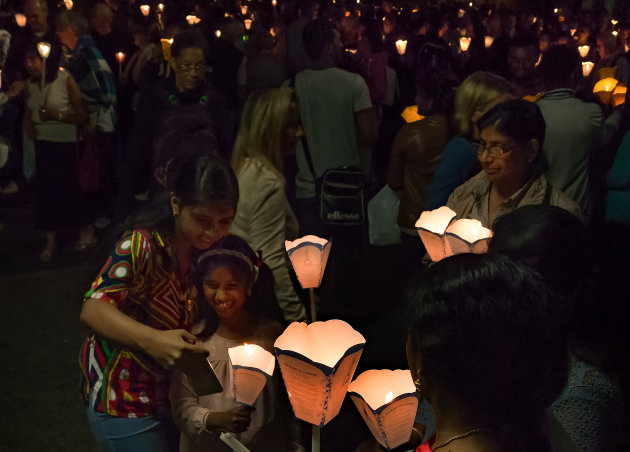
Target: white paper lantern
point(251, 367)
point(431, 227)
point(468, 236)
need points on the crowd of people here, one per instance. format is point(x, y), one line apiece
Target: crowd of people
point(201, 134)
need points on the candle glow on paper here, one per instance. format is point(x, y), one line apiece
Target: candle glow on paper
point(584, 50)
point(468, 236)
point(401, 46)
point(20, 20)
point(251, 367)
point(431, 227)
point(464, 43)
point(145, 9)
point(587, 67)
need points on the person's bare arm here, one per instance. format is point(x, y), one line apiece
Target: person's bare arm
point(80, 115)
point(165, 346)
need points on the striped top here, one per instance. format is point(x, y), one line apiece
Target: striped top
point(140, 279)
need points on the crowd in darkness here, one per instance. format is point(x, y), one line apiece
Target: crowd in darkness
point(189, 139)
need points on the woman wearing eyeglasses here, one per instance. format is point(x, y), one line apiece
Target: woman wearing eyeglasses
point(510, 153)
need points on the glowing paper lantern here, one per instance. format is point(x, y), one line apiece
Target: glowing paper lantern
point(44, 50)
point(431, 227)
point(614, 21)
point(145, 9)
point(251, 367)
point(160, 7)
point(468, 236)
point(410, 114)
point(248, 24)
point(615, 33)
point(489, 41)
point(464, 43)
point(217, 33)
point(192, 19)
point(619, 95)
point(555, 10)
point(317, 362)
point(573, 30)
point(584, 50)
point(20, 20)
point(604, 89)
point(309, 256)
point(401, 46)
point(274, 3)
point(243, 9)
point(166, 48)
point(587, 67)
point(68, 4)
point(387, 401)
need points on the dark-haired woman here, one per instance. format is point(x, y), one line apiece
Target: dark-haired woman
point(142, 303)
point(230, 315)
point(51, 120)
point(510, 154)
point(487, 349)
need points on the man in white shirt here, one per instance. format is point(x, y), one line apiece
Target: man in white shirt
point(339, 122)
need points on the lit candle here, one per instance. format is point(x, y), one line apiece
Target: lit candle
point(217, 33)
point(390, 422)
point(68, 4)
point(20, 20)
point(584, 50)
point(464, 42)
point(604, 89)
point(145, 9)
point(251, 367)
point(272, 32)
point(615, 33)
point(160, 7)
point(192, 19)
point(401, 46)
point(431, 227)
point(243, 9)
point(468, 236)
point(573, 30)
point(619, 95)
point(248, 24)
point(555, 10)
point(470, 4)
point(274, 3)
point(120, 57)
point(489, 41)
point(614, 22)
point(44, 50)
point(587, 67)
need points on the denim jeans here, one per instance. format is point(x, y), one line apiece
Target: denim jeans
point(121, 434)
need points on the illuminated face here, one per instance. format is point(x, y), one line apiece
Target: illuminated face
point(203, 224)
point(225, 294)
point(513, 165)
point(522, 61)
point(190, 69)
point(36, 17)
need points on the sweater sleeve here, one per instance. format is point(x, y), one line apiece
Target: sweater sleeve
point(268, 225)
point(188, 414)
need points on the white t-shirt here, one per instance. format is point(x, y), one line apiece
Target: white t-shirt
point(329, 99)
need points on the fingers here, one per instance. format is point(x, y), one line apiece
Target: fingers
point(188, 337)
point(196, 349)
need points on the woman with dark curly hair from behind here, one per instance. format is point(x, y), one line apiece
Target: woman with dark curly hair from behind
point(486, 347)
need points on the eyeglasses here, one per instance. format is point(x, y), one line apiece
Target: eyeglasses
point(189, 67)
point(495, 151)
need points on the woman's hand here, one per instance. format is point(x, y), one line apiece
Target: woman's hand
point(167, 346)
point(235, 420)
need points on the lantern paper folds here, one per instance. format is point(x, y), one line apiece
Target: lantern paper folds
point(464, 43)
point(251, 366)
point(309, 255)
point(468, 236)
point(587, 67)
point(604, 89)
point(584, 50)
point(166, 48)
point(619, 95)
point(401, 46)
point(44, 49)
point(431, 227)
point(387, 401)
point(317, 362)
point(20, 20)
point(410, 114)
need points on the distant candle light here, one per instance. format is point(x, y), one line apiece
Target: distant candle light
point(144, 9)
point(20, 20)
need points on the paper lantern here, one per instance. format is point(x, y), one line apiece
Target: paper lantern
point(607, 72)
point(166, 48)
point(243, 9)
point(217, 33)
point(248, 24)
point(615, 33)
point(274, 3)
point(431, 227)
point(619, 95)
point(317, 362)
point(464, 43)
point(555, 10)
point(604, 89)
point(410, 114)
point(192, 19)
point(584, 50)
point(251, 367)
point(573, 31)
point(587, 67)
point(145, 9)
point(614, 21)
point(468, 236)
point(20, 20)
point(44, 49)
point(387, 401)
point(401, 46)
point(68, 4)
point(489, 41)
point(309, 255)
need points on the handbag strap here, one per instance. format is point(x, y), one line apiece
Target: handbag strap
point(307, 152)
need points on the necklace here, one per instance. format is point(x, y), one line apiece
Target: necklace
point(455, 438)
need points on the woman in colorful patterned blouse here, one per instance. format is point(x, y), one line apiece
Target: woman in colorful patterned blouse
point(141, 305)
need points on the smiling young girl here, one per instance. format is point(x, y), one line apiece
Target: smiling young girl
point(142, 303)
point(231, 314)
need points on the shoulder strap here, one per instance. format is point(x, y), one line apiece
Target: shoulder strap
point(307, 152)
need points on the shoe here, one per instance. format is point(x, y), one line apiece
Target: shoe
point(11, 188)
point(102, 222)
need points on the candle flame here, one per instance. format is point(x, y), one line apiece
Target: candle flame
point(120, 57)
point(389, 397)
point(249, 350)
point(145, 9)
point(161, 7)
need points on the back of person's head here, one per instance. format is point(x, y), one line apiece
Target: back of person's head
point(608, 43)
point(102, 12)
point(373, 35)
point(73, 20)
point(263, 125)
point(559, 66)
point(191, 38)
point(437, 90)
point(522, 122)
point(317, 35)
point(476, 93)
point(485, 330)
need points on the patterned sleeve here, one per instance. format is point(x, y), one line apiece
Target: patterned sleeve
point(123, 269)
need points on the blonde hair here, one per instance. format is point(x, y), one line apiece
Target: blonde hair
point(262, 130)
point(476, 93)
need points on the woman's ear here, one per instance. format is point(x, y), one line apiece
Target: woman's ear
point(534, 149)
point(174, 204)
